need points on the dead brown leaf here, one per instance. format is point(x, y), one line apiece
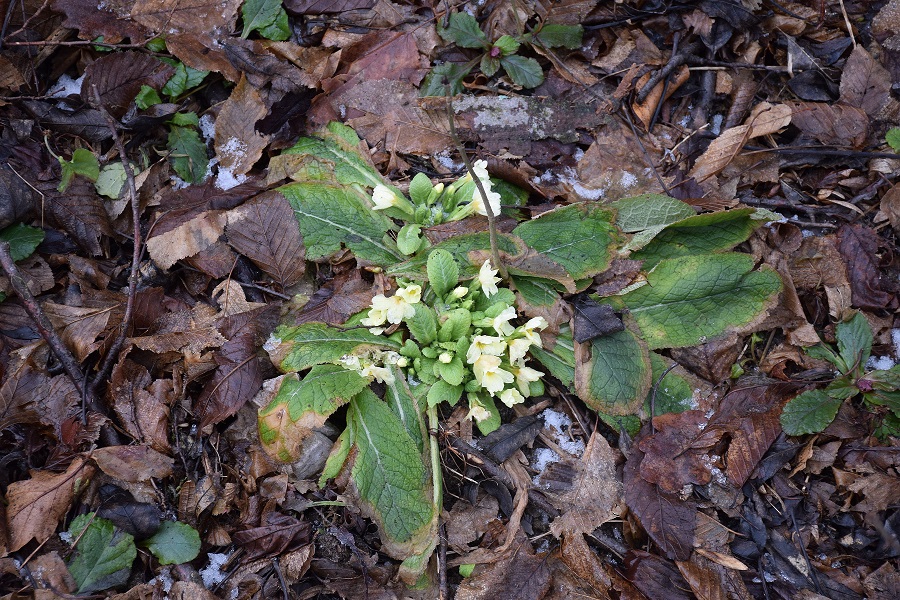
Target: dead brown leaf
point(118, 78)
point(523, 575)
point(36, 505)
point(185, 16)
point(187, 239)
point(831, 124)
point(859, 247)
point(865, 84)
point(238, 144)
point(141, 403)
point(79, 327)
point(133, 463)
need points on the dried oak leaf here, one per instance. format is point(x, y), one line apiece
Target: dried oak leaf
point(286, 66)
point(31, 396)
point(865, 84)
point(831, 124)
point(118, 78)
point(655, 577)
point(79, 327)
point(677, 453)
point(280, 533)
point(133, 463)
point(265, 230)
point(36, 505)
point(237, 143)
point(334, 303)
point(187, 239)
point(141, 403)
point(521, 576)
point(109, 20)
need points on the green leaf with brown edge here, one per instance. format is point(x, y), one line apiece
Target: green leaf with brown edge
point(295, 348)
point(612, 372)
point(579, 237)
point(103, 554)
point(854, 342)
point(691, 299)
point(301, 406)
point(810, 412)
point(333, 155)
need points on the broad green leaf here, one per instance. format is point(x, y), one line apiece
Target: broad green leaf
point(612, 373)
point(459, 247)
point(810, 412)
point(187, 153)
point(884, 398)
point(886, 380)
point(452, 372)
point(335, 150)
point(650, 210)
point(390, 478)
point(674, 394)
point(409, 239)
point(338, 457)
point(579, 237)
point(147, 97)
point(442, 391)
point(456, 325)
point(700, 234)
point(443, 272)
point(492, 423)
point(507, 44)
point(892, 137)
point(489, 65)
point(332, 216)
point(448, 75)
point(185, 119)
point(827, 353)
point(300, 347)
point(257, 14)
point(691, 299)
point(303, 405)
point(83, 163)
point(560, 359)
point(523, 71)
point(278, 30)
point(463, 30)
point(420, 188)
point(536, 292)
point(111, 180)
point(405, 405)
point(890, 425)
point(103, 555)
point(422, 325)
point(184, 79)
point(854, 341)
point(175, 543)
point(554, 36)
point(23, 240)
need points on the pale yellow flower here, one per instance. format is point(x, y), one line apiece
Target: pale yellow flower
point(489, 375)
point(383, 197)
point(529, 330)
point(411, 293)
point(524, 376)
point(511, 397)
point(518, 348)
point(485, 344)
point(477, 203)
point(500, 323)
point(382, 374)
point(446, 357)
point(393, 309)
point(488, 280)
point(459, 293)
point(479, 413)
point(480, 170)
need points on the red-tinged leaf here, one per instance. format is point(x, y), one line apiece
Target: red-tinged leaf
point(94, 21)
point(676, 454)
point(36, 505)
point(859, 247)
point(280, 533)
point(184, 16)
point(240, 374)
point(865, 84)
point(238, 145)
point(118, 78)
point(265, 230)
point(133, 463)
point(655, 577)
point(669, 521)
point(322, 7)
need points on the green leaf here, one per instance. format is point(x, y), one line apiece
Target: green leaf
point(463, 30)
point(827, 353)
point(300, 347)
point(560, 360)
point(691, 299)
point(492, 423)
point(330, 216)
point(422, 325)
point(390, 478)
point(523, 71)
point(409, 239)
point(147, 97)
point(612, 373)
point(883, 380)
point(650, 210)
point(699, 234)
point(507, 44)
point(892, 137)
point(257, 14)
point(441, 391)
point(443, 272)
point(889, 427)
point(103, 555)
point(174, 543)
point(554, 36)
point(188, 154)
point(459, 248)
point(674, 394)
point(406, 406)
point(456, 325)
point(452, 372)
point(580, 237)
point(420, 188)
point(23, 240)
point(279, 30)
point(810, 412)
point(336, 151)
point(443, 76)
point(83, 163)
point(182, 80)
point(854, 342)
point(489, 65)
point(111, 180)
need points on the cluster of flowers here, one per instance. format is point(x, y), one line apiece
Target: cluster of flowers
point(494, 350)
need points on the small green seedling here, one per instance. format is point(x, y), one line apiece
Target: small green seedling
point(892, 137)
point(814, 410)
point(83, 163)
point(463, 30)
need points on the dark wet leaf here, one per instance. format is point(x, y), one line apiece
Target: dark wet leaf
point(859, 247)
point(593, 320)
point(118, 78)
point(502, 443)
point(321, 7)
point(279, 534)
point(655, 577)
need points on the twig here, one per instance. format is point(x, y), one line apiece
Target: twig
point(113, 352)
point(284, 587)
point(44, 327)
point(847, 22)
point(492, 227)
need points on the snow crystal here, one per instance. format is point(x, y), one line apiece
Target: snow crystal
point(65, 87)
point(225, 179)
point(164, 578)
point(207, 127)
point(447, 162)
point(212, 574)
point(879, 363)
point(578, 154)
point(66, 537)
point(571, 177)
point(628, 180)
point(559, 423)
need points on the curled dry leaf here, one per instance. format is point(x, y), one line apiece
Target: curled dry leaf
point(238, 145)
point(133, 463)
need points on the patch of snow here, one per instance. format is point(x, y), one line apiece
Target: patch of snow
point(225, 179)
point(578, 154)
point(501, 111)
point(571, 177)
point(178, 183)
point(542, 458)
point(895, 339)
point(65, 86)
point(879, 363)
point(628, 180)
point(207, 127)
point(66, 537)
point(444, 159)
point(164, 578)
point(807, 233)
point(559, 423)
point(212, 574)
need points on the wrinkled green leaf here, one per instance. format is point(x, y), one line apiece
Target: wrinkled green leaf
point(147, 97)
point(278, 30)
point(336, 151)
point(674, 393)
point(409, 239)
point(300, 347)
point(452, 372)
point(420, 188)
point(422, 325)
point(492, 423)
point(612, 373)
point(579, 237)
point(443, 272)
point(854, 341)
point(406, 406)
point(443, 76)
point(442, 391)
point(455, 326)
point(188, 154)
point(463, 30)
point(523, 71)
point(184, 79)
point(691, 299)
point(650, 210)
point(507, 44)
point(810, 412)
point(103, 555)
point(83, 163)
point(552, 35)
point(174, 543)
point(23, 240)
point(332, 216)
point(560, 360)
point(257, 14)
point(459, 248)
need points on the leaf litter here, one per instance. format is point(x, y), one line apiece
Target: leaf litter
point(684, 482)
